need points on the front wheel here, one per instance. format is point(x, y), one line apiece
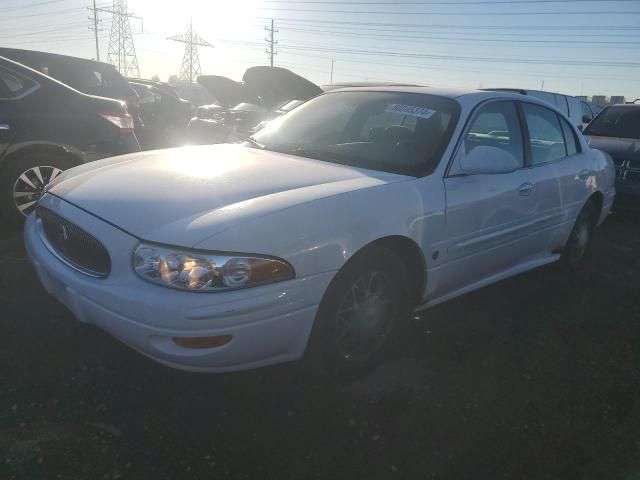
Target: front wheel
point(361, 314)
point(579, 243)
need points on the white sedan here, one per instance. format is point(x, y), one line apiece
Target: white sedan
point(322, 232)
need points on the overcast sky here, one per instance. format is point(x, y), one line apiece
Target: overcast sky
point(593, 48)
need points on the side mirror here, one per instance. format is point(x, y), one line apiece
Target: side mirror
point(486, 159)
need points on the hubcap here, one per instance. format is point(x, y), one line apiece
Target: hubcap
point(29, 187)
point(364, 317)
point(581, 239)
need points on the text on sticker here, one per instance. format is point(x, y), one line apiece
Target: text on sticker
point(412, 110)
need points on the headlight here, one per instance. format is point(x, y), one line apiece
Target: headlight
point(207, 271)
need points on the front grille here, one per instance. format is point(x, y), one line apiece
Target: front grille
point(618, 161)
point(632, 176)
point(77, 247)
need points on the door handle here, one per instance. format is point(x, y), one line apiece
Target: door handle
point(525, 188)
point(584, 174)
point(4, 126)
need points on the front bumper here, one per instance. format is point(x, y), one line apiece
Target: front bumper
point(268, 324)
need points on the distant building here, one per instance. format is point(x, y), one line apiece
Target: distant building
point(616, 99)
point(599, 101)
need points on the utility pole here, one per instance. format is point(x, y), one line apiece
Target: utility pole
point(95, 28)
point(271, 43)
point(122, 51)
point(190, 62)
point(332, 62)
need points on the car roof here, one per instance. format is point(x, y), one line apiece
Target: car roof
point(453, 93)
point(624, 105)
point(34, 54)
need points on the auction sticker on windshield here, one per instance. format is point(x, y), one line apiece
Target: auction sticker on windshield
point(412, 110)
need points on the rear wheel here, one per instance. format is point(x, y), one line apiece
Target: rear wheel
point(23, 181)
point(361, 314)
point(579, 243)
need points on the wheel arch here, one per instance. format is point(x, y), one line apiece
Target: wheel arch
point(413, 258)
point(597, 200)
point(50, 148)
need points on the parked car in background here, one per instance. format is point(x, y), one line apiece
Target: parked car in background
point(164, 114)
point(322, 232)
point(567, 104)
point(262, 95)
point(616, 130)
point(47, 127)
point(587, 113)
point(86, 76)
point(195, 93)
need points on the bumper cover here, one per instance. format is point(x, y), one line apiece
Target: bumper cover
point(269, 324)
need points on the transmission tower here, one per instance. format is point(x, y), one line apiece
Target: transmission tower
point(271, 43)
point(122, 51)
point(190, 62)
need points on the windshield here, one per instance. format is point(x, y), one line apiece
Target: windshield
point(621, 122)
point(390, 131)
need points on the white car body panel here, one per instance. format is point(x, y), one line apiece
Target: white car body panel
point(472, 230)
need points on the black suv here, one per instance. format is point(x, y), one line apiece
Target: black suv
point(86, 76)
point(47, 127)
point(616, 130)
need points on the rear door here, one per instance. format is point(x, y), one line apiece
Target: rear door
point(13, 87)
point(488, 216)
point(558, 168)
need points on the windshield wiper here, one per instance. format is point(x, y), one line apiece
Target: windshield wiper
point(254, 143)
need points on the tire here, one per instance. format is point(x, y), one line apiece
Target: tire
point(579, 243)
point(18, 194)
point(361, 315)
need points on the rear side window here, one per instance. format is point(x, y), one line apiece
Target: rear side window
point(545, 134)
point(496, 125)
point(13, 85)
point(570, 139)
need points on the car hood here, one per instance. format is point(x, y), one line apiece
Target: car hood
point(267, 86)
point(620, 149)
point(182, 196)
point(227, 92)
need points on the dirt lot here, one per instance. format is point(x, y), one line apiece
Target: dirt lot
point(536, 377)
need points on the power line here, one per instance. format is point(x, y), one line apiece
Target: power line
point(95, 29)
point(122, 51)
point(404, 31)
point(31, 15)
point(22, 7)
point(379, 12)
point(296, 21)
point(408, 54)
point(449, 40)
point(191, 61)
point(453, 2)
point(271, 42)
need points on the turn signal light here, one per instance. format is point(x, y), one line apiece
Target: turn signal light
point(202, 342)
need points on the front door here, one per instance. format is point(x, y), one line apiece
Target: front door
point(488, 216)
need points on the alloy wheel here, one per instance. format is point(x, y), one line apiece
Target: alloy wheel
point(29, 187)
point(365, 317)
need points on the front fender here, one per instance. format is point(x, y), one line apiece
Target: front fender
point(321, 235)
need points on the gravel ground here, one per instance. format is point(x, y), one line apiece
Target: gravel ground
point(535, 377)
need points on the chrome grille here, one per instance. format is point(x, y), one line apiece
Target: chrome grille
point(77, 247)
